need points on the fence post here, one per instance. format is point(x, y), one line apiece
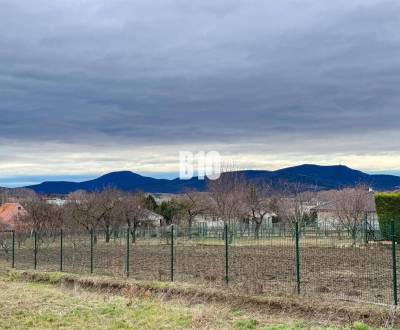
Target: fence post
point(394, 263)
point(172, 254)
point(297, 257)
point(128, 232)
point(61, 250)
point(226, 238)
point(91, 250)
point(366, 228)
point(34, 249)
point(13, 250)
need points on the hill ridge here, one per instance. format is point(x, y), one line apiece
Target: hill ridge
point(322, 177)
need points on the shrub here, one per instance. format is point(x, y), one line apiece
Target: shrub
point(388, 209)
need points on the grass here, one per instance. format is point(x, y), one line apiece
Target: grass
point(26, 305)
point(43, 306)
point(39, 302)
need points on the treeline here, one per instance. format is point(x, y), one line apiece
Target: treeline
point(230, 199)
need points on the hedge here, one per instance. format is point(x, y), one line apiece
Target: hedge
point(388, 209)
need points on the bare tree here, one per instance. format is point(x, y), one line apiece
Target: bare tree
point(259, 203)
point(295, 204)
point(5, 241)
point(38, 216)
point(95, 211)
point(41, 217)
point(106, 215)
point(81, 207)
point(133, 211)
point(351, 206)
point(192, 205)
point(226, 196)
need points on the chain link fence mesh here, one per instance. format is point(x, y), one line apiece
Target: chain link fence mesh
point(324, 263)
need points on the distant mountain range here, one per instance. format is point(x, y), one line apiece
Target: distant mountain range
point(320, 177)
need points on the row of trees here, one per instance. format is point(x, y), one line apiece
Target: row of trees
point(230, 199)
point(103, 211)
point(233, 199)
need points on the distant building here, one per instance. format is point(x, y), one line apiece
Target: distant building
point(209, 219)
point(213, 221)
point(152, 219)
point(327, 215)
point(9, 213)
point(56, 201)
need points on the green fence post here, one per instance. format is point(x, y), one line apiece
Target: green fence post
point(128, 232)
point(34, 249)
point(394, 265)
point(13, 250)
point(91, 250)
point(226, 238)
point(61, 250)
point(172, 254)
point(297, 257)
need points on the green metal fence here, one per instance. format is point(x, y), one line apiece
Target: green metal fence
point(288, 260)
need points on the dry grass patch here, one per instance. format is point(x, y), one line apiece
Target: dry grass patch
point(42, 306)
point(103, 303)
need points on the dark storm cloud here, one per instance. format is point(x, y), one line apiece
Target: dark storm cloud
point(159, 72)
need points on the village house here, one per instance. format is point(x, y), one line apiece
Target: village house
point(152, 219)
point(327, 218)
point(212, 221)
point(9, 213)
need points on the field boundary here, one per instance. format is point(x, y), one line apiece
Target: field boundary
point(334, 312)
point(289, 262)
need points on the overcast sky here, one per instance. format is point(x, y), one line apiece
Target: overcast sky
point(88, 87)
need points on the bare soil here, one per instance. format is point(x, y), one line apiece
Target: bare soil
point(361, 273)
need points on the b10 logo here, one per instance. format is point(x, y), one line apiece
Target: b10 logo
point(204, 164)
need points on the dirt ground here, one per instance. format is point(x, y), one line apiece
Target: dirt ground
point(333, 270)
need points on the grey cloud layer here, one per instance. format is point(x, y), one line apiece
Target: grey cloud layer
point(160, 72)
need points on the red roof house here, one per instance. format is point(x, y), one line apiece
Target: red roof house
point(9, 212)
